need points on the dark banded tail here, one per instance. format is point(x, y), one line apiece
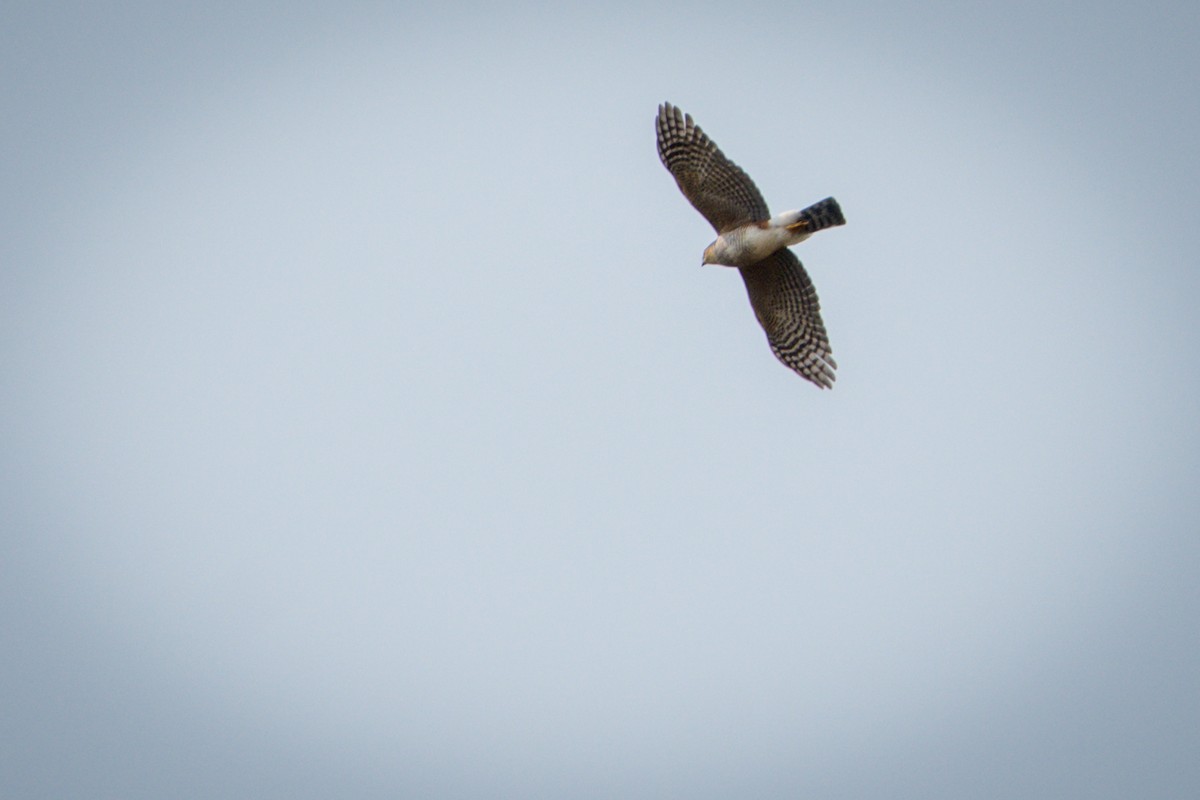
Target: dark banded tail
point(825, 214)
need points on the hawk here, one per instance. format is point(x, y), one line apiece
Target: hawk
point(755, 242)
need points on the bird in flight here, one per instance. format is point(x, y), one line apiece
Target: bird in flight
point(755, 242)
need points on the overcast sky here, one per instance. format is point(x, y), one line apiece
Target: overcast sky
point(369, 429)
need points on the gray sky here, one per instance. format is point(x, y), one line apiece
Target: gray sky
point(369, 429)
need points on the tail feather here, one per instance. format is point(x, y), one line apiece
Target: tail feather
point(824, 214)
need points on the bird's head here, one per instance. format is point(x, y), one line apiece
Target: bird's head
point(710, 254)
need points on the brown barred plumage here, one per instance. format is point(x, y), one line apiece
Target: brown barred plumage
point(718, 188)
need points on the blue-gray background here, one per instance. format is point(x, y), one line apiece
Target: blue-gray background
point(370, 430)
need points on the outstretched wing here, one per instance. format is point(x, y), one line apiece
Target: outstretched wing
point(717, 187)
point(786, 305)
